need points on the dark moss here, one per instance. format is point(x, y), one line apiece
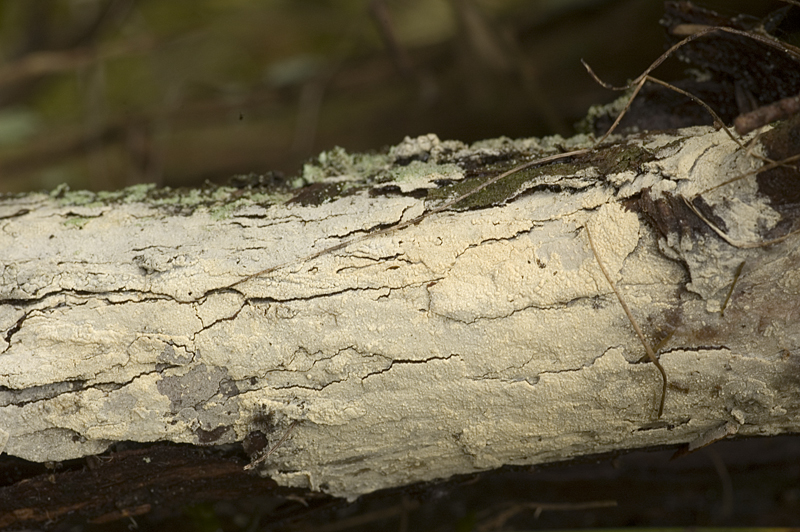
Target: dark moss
point(503, 189)
point(316, 194)
point(619, 158)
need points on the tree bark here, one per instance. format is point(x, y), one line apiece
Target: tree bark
point(481, 336)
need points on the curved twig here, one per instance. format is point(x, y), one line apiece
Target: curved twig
point(650, 354)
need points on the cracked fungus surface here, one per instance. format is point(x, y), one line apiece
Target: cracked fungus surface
point(466, 341)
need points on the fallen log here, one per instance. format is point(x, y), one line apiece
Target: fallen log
point(478, 336)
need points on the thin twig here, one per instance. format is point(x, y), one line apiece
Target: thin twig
point(655, 64)
point(705, 30)
point(650, 354)
point(768, 166)
point(736, 275)
point(736, 243)
point(714, 115)
point(263, 457)
point(623, 112)
point(698, 32)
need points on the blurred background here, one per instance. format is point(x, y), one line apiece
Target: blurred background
point(102, 94)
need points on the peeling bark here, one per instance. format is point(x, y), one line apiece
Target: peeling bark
point(481, 336)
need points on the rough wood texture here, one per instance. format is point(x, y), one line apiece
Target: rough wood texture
point(476, 338)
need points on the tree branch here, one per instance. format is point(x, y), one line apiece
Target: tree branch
point(478, 336)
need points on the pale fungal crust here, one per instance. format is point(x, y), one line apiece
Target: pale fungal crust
point(472, 339)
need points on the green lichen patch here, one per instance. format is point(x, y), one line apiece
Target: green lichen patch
point(132, 194)
point(226, 209)
point(339, 164)
point(220, 201)
point(418, 175)
point(77, 222)
point(67, 197)
point(336, 173)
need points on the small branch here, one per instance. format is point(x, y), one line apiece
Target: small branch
point(747, 122)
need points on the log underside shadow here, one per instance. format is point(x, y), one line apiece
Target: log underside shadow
point(166, 486)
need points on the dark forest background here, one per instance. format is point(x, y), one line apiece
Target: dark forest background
point(102, 94)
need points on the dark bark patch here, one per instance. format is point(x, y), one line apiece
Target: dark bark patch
point(782, 184)
point(618, 158)
point(670, 214)
point(210, 436)
point(133, 482)
point(316, 194)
